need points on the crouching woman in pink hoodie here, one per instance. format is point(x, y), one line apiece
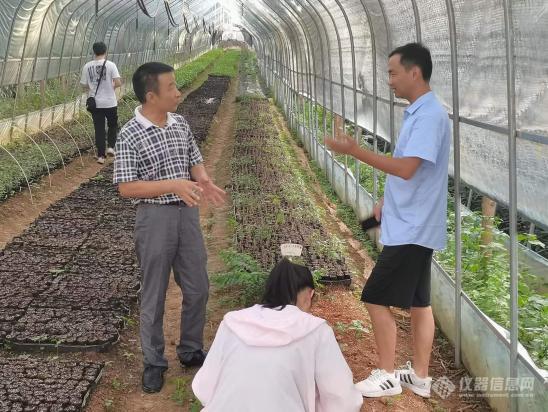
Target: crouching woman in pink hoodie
point(277, 356)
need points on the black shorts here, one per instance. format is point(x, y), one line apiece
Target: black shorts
point(401, 277)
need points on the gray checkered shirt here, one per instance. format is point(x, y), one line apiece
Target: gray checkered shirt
point(147, 152)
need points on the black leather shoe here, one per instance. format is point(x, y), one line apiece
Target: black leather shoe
point(193, 359)
point(153, 379)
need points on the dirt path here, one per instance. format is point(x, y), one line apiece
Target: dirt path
point(120, 387)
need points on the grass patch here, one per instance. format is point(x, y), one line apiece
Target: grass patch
point(227, 65)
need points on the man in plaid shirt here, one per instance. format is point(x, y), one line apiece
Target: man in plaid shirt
point(159, 165)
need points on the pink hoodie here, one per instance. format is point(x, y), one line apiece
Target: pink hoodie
point(275, 360)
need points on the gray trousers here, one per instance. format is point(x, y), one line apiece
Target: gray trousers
point(169, 237)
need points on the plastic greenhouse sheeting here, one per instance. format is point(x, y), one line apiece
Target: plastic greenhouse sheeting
point(365, 29)
point(331, 40)
point(44, 39)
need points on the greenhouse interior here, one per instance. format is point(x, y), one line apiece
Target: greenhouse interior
point(233, 141)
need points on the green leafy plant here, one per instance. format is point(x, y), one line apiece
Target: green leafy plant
point(195, 405)
point(116, 383)
point(485, 279)
point(181, 393)
point(186, 74)
point(243, 275)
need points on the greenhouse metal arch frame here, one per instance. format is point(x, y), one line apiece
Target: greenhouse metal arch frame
point(293, 75)
point(51, 39)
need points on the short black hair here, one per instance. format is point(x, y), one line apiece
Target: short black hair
point(99, 48)
point(284, 283)
point(145, 78)
point(415, 54)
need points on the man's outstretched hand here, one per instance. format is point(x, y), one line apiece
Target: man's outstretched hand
point(344, 145)
point(212, 193)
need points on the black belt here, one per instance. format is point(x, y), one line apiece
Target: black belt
point(176, 203)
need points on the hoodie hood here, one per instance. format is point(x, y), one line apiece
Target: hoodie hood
point(259, 326)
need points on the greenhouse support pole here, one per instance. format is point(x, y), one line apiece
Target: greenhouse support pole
point(45, 77)
point(276, 61)
point(418, 33)
point(285, 50)
point(512, 200)
point(77, 83)
point(375, 97)
point(324, 110)
point(355, 100)
point(299, 70)
point(61, 61)
point(286, 73)
point(19, 74)
point(333, 135)
point(51, 53)
point(391, 93)
point(343, 108)
point(311, 78)
point(343, 105)
point(6, 64)
point(456, 176)
point(302, 66)
point(294, 89)
point(15, 14)
point(315, 78)
point(270, 59)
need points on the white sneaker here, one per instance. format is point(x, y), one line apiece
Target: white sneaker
point(111, 152)
point(101, 160)
point(379, 383)
point(408, 379)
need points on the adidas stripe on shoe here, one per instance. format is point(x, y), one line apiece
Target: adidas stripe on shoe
point(408, 379)
point(379, 383)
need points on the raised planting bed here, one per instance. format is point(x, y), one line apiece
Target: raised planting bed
point(39, 385)
point(271, 202)
point(185, 75)
point(200, 106)
point(31, 156)
point(71, 277)
point(78, 258)
point(228, 64)
point(250, 85)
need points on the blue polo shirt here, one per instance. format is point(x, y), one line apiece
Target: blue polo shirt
point(415, 210)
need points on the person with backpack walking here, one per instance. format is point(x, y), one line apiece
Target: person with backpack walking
point(100, 78)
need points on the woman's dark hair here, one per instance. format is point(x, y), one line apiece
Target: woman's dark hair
point(145, 78)
point(99, 48)
point(285, 281)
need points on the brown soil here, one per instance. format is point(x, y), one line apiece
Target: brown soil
point(17, 212)
point(120, 387)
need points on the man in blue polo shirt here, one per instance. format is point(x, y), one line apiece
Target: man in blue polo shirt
point(414, 212)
